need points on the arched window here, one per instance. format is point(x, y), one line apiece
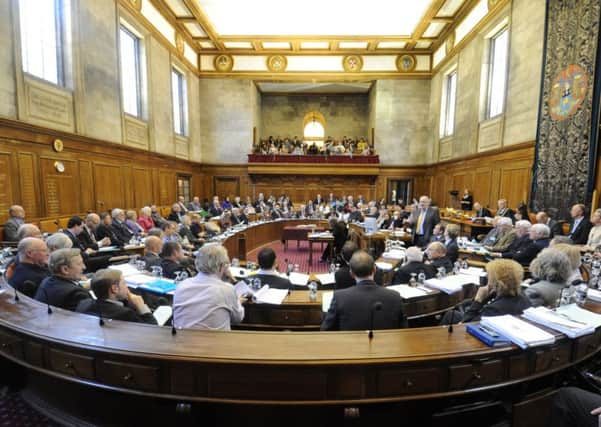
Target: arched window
point(313, 128)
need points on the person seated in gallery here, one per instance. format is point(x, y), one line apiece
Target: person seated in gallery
point(113, 227)
point(238, 217)
point(205, 301)
point(173, 260)
point(196, 226)
point(414, 264)
point(450, 241)
point(114, 300)
point(555, 227)
point(504, 210)
point(226, 205)
point(170, 233)
point(502, 295)
point(438, 233)
point(175, 214)
point(181, 201)
point(145, 219)
point(91, 257)
point(186, 233)
point(87, 237)
point(539, 239)
point(508, 235)
point(366, 304)
point(580, 226)
point(131, 222)
point(372, 212)
point(268, 270)
point(397, 219)
point(343, 277)
point(481, 212)
point(32, 266)
point(62, 289)
point(551, 270)
point(152, 249)
point(58, 241)
point(156, 216)
point(28, 230)
point(276, 212)
point(383, 222)
point(437, 257)
point(194, 205)
point(574, 406)
point(156, 232)
point(215, 209)
point(355, 214)
point(494, 234)
point(16, 218)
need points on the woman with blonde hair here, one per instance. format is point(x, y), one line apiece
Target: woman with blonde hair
point(502, 294)
point(573, 253)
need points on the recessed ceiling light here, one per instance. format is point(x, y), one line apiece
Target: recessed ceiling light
point(392, 45)
point(238, 45)
point(352, 45)
point(315, 45)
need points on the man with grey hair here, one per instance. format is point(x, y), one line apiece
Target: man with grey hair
point(28, 230)
point(205, 301)
point(121, 231)
point(58, 241)
point(552, 268)
point(32, 267)
point(539, 240)
point(414, 265)
point(520, 241)
point(62, 289)
point(11, 227)
point(506, 236)
point(422, 220)
point(87, 237)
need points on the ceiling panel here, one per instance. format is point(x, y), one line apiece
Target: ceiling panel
point(194, 29)
point(434, 29)
point(449, 8)
point(178, 8)
point(324, 88)
point(392, 45)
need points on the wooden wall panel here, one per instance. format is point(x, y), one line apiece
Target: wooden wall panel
point(514, 184)
point(109, 187)
point(27, 183)
point(86, 185)
point(6, 193)
point(60, 190)
point(167, 187)
point(142, 178)
point(481, 187)
point(226, 186)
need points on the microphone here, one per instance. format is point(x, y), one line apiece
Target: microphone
point(451, 320)
point(100, 319)
point(173, 329)
point(376, 306)
point(47, 300)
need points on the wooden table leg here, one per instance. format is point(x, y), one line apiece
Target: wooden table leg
point(310, 252)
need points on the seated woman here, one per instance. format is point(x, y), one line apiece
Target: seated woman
point(573, 253)
point(501, 295)
point(145, 219)
point(552, 269)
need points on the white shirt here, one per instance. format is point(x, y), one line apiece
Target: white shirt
point(206, 302)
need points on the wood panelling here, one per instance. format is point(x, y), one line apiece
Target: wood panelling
point(29, 197)
point(167, 187)
point(60, 190)
point(86, 185)
point(6, 193)
point(109, 187)
point(143, 188)
point(227, 185)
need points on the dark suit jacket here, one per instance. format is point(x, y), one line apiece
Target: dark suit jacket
point(187, 232)
point(273, 281)
point(525, 255)
point(123, 233)
point(86, 239)
point(61, 292)
point(452, 250)
point(11, 228)
point(77, 244)
point(214, 211)
point(110, 310)
point(403, 274)
point(26, 272)
point(355, 217)
point(556, 228)
point(106, 231)
point(519, 244)
point(431, 219)
point(151, 260)
point(580, 235)
point(443, 262)
point(173, 216)
point(345, 280)
point(171, 267)
point(496, 307)
point(351, 309)
point(239, 219)
point(507, 213)
point(92, 262)
point(484, 212)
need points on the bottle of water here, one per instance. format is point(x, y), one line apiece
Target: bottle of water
point(442, 272)
point(580, 293)
point(565, 296)
point(333, 268)
point(464, 264)
point(312, 291)
point(421, 277)
point(256, 284)
point(412, 281)
point(456, 267)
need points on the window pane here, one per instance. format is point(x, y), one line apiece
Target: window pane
point(41, 38)
point(450, 104)
point(130, 72)
point(314, 130)
point(180, 108)
point(498, 75)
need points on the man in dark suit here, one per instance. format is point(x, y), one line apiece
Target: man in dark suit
point(268, 273)
point(504, 210)
point(176, 213)
point(11, 227)
point(114, 301)
point(423, 219)
point(343, 277)
point(529, 248)
point(481, 212)
point(437, 257)
point(91, 257)
point(61, 289)
point(415, 264)
point(123, 233)
point(87, 237)
point(450, 241)
point(31, 268)
point(238, 217)
point(580, 225)
point(174, 261)
point(365, 305)
point(153, 246)
point(318, 200)
point(555, 228)
point(105, 230)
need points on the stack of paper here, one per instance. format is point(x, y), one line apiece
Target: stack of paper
point(386, 266)
point(521, 333)
point(394, 254)
point(326, 278)
point(298, 279)
point(473, 271)
point(265, 295)
point(125, 269)
point(135, 280)
point(559, 321)
point(452, 283)
point(580, 314)
point(407, 292)
point(326, 300)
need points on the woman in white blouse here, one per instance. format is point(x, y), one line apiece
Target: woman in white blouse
point(594, 237)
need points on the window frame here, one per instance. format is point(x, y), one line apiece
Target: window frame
point(138, 71)
point(183, 98)
point(184, 186)
point(450, 81)
point(491, 68)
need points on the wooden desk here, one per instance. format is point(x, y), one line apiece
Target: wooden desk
point(320, 239)
point(298, 233)
point(467, 227)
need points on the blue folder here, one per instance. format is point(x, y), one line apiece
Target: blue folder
point(159, 286)
point(486, 335)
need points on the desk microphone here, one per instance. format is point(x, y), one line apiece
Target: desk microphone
point(376, 306)
point(17, 299)
point(450, 312)
point(47, 300)
point(100, 319)
point(173, 329)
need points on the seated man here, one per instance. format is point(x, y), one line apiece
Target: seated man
point(205, 301)
point(481, 212)
point(152, 248)
point(170, 233)
point(87, 237)
point(520, 241)
point(58, 241)
point(539, 239)
point(175, 214)
point(114, 300)
point(32, 267)
point(504, 210)
point(360, 307)
point(580, 225)
point(555, 227)
point(438, 233)
point(268, 273)
point(450, 242)
point(415, 264)
point(16, 218)
point(172, 257)
point(156, 216)
point(105, 230)
point(437, 256)
point(215, 209)
point(185, 232)
point(343, 277)
point(195, 205)
point(494, 233)
point(123, 233)
point(28, 230)
point(507, 235)
point(238, 217)
point(61, 289)
point(91, 257)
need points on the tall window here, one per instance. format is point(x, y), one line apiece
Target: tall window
point(183, 187)
point(180, 105)
point(447, 117)
point(42, 39)
point(131, 75)
point(497, 77)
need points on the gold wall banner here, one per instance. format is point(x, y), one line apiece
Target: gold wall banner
point(224, 63)
point(277, 63)
point(352, 63)
point(405, 63)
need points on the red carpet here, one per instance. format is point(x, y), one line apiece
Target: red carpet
point(298, 256)
point(14, 411)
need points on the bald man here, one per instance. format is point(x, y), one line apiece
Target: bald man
point(87, 236)
point(16, 219)
point(152, 249)
point(28, 230)
point(423, 219)
point(580, 226)
point(32, 267)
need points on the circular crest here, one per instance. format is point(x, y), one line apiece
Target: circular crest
point(567, 92)
point(352, 63)
point(405, 63)
point(277, 63)
point(224, 63)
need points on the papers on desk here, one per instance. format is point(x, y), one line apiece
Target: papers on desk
point(162, 314)
point(326, 278)
point(473, 271)
point(108, 249)
point(570, 325)
point(407, 292)
point(522, 334)
point(326, 300)
point(265, 295)
point(298, 279)
point(385, 266)
point(125, 269)
point(130, 247)
point(320, 234)
point(135, 280)
point(452, 283)
point(242, 288)
point(394, 254)
point(594, 295)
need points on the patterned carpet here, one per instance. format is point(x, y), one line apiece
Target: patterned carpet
point(15, 412)
point(298, 256)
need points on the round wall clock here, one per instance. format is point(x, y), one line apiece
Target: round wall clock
point(57, 145)
point(567, 92)
point(59, 166)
